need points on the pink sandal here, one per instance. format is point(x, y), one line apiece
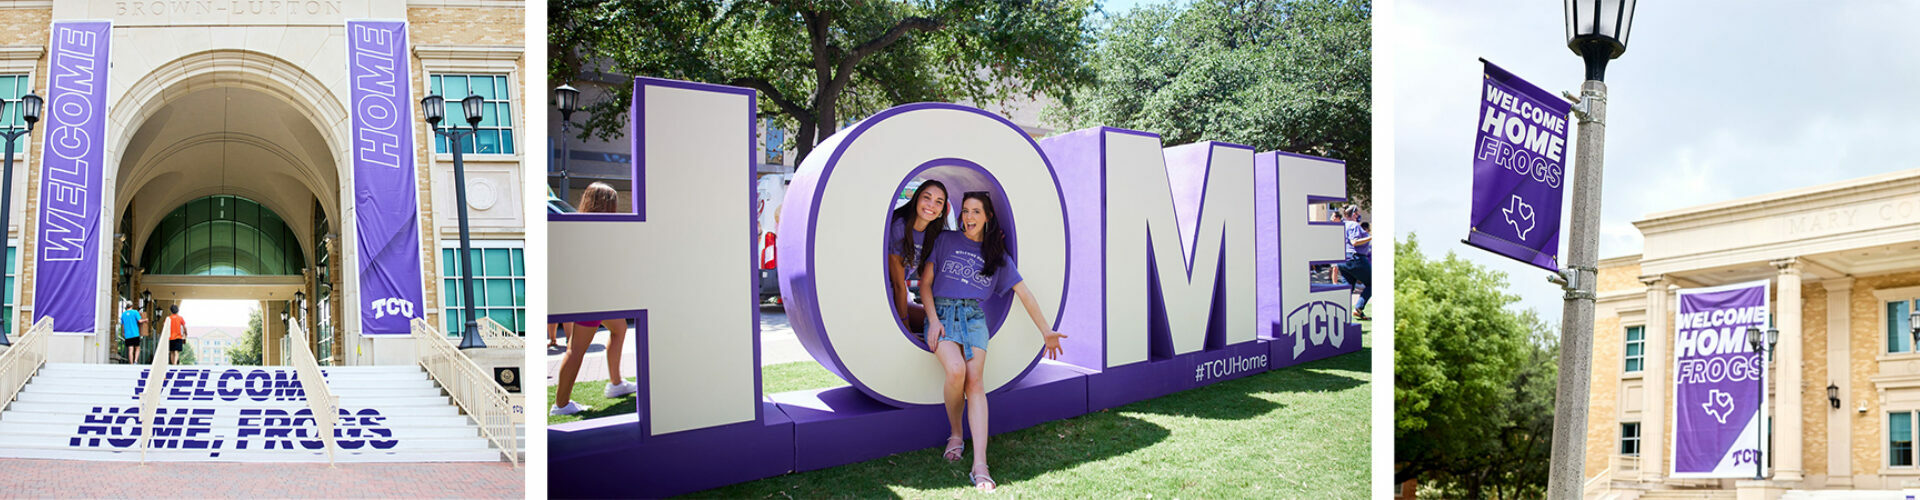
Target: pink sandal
point(954, 447)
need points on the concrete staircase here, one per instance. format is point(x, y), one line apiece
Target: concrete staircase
point(1690, 495)
point(237, 414)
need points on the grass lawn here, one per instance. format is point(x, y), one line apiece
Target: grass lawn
point(1300, 432)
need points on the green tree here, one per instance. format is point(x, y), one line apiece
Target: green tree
point(247, 351)
point(1290, 75)
point(816, 63)
point(1474, 380)
point(186, 355)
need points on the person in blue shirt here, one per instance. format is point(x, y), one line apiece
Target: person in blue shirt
point(1359, 266)
point(960, 270)
point(130, 323)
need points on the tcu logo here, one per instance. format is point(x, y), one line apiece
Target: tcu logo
point(393, 306)
point(1317, 322)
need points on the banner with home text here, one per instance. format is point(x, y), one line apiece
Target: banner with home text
point(67, 248)
point(1717, 379)
point(386, 208)
point(1519, 165)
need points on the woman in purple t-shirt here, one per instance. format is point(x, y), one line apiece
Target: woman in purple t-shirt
point(921, 219)
point(961, 270)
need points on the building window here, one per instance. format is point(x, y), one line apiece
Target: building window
point(11, 88)
point(776, 141)
point(499, 288)
point(11, 293)
point(1630, 439)
point(496, 127)
point(1900, 439)
point(1899, 333)
point(1636, 348)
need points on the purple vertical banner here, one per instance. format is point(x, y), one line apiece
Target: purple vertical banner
point(67, 263)
point(1717, 379)
point(1519, 163)
point(385, 206)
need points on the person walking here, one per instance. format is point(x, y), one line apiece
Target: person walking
point(1359, 265)
point(130, 323)
point(178, 340)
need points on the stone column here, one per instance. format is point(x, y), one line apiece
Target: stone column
point(1653, 420)
point(1787, 436)
point(1839, 373)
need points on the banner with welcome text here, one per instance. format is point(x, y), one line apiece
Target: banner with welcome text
point(1519, 165)
point(1717, 378)
point(67, 249)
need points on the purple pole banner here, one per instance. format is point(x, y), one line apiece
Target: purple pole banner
point(385, 206)
point(1716, 381)
point(1519, 161)
point(67, 265)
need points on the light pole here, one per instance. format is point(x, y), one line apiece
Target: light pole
point(1597, 30)
point(30, 112)
point(569, 100)
point(435, 107)
point(1762, 346)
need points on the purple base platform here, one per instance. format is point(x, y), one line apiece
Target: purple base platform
point(810, 430)
point(1283, 348)
point(1142, 381)
point(606, 457)
point(839, 426)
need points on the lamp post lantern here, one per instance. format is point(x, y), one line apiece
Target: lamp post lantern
point(1597, 30)
point(434, 107)
point(1761, 346)
point(30, 112)
point(568, 100)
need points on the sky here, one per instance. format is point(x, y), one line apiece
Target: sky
point(217, 312)
point(1711, 101)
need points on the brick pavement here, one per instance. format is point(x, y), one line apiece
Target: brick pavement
point(21, 478)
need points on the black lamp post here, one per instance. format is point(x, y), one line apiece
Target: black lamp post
point(300, 305)
point(30, 112)
point(1761, 346)
point(1833, 395)
point(435, 109)
point(1597, 30)
point(1913, 323)
point(568, 99)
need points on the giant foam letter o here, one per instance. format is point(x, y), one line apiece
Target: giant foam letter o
point(831, 241)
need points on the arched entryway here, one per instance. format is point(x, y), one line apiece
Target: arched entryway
point(228, 187)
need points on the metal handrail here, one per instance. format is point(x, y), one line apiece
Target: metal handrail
point(151, 395)
point(488, 404)
point(1587, 490)
point(320, 398)
point(498, 336)
point(19, 363)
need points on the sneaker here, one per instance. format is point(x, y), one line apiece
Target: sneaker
point(572, 407)
point(621, 389)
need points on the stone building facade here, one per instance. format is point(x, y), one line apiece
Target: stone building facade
point(1844, 263)
point(246, 103)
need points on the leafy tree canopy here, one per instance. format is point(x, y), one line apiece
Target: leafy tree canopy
point(1289, 75)
point(1474, 381)
point(816, 63)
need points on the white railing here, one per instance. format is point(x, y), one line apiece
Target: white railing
point(486, 402)
point(19, 363)
point(320, 398)
point(155, 389)
point(497, 336)
point(1599, 483)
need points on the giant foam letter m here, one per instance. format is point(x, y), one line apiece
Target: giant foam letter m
point(688, 267)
